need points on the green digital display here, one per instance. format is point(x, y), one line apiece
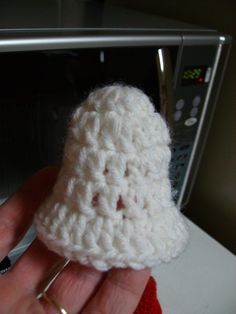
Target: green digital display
point(194, 75)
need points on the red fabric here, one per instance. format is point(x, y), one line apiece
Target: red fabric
point(149, 303)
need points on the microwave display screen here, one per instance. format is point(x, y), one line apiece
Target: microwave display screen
point(194, 75)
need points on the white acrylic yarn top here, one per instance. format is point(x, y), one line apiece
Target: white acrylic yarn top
point(111, 205)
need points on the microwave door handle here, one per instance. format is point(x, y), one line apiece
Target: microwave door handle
point(165, 76)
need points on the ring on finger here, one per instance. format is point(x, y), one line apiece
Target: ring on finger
point(50, 300)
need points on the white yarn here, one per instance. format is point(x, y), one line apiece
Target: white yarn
point(111, 205)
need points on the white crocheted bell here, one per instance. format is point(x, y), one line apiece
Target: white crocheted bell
point(111, 205)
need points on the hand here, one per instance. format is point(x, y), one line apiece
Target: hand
point(78, 289)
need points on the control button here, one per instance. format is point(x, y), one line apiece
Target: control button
point(190, 121)
point(196, 101)
point(194, 112)
point(208, 75)
point(177, 115)
point(179, 105)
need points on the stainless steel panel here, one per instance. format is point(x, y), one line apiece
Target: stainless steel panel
point(13, 43)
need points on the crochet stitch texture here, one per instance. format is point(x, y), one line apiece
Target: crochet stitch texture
point(111, 205)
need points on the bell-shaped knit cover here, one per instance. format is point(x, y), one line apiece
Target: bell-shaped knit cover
point(111, 205)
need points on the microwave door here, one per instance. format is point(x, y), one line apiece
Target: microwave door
point(42, 88)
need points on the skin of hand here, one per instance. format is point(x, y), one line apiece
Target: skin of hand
point(78, 289)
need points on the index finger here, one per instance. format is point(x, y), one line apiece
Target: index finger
point(16, 214)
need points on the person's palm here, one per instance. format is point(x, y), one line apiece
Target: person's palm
point(78, 289)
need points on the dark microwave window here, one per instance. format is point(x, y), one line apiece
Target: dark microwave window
point(136, 67)
point(39, 91)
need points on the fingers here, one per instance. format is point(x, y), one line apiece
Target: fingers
point(78, 287)
point(36, 263)
point(17, 212)
point(119, 293)
point(81, 289)
point(73, 288)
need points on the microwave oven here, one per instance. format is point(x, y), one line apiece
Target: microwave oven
point(49, 62)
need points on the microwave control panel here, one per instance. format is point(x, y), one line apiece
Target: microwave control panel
point(194, 76)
